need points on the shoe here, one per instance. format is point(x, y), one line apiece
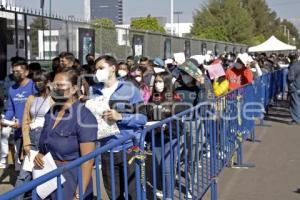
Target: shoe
point(189, 195)
point(222, 155)
point(3, 166)
point(159, 194)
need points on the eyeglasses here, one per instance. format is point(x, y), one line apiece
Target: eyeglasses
point(60, 85)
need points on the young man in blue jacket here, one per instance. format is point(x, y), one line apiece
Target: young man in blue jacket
point(124, 100)
point(17, 97)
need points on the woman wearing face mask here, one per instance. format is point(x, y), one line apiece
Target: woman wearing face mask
point(139, 82)
point(161, 106)
point(123, 71)
point(69, 132)
point(33, 119)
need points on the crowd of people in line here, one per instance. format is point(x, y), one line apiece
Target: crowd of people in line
point(41, 107)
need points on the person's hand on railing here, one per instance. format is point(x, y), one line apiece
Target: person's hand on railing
point(38, 160)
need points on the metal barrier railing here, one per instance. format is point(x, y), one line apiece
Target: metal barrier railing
point(31, 186)
point(181, 157)
point(204, 140)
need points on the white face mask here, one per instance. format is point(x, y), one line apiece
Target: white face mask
point(122, 73)
point(187, 79)
point(159, 86)
point(138, 79)
point(102, 75)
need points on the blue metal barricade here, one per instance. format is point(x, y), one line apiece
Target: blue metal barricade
point(31, 186)
point(181, 157)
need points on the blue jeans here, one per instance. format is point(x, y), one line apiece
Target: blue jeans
point(295, 106)
point(169, 163)
point(25, 176)
point(285, 77)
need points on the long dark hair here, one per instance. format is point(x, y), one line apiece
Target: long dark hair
point(167, 94)
point(41, 75)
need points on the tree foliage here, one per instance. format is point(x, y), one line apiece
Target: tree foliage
point(226, 21)
point(106, 22)
point(243, 21)
point(147, 24)
point(105, 35)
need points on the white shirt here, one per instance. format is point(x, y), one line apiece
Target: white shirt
point(108, 91)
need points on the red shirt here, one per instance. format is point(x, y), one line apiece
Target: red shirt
point(238, 77)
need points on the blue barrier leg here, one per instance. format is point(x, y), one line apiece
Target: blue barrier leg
point(253, 136)
point(138, 177)
point(214, 191)
point(213, 158)
point(240, 152)
point(262, 124)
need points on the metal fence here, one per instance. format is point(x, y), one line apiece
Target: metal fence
point(182, 156)
point(39, 37)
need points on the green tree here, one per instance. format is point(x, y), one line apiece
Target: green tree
point(259, 12)
point(37, 24)
point(223, 20)
point(267, 23)
point(147, 24)
point(106, 36)
point(294, 33)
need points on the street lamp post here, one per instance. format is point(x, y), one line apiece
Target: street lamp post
point(172, 16)
point(50, 29)
point(288, 35)
point(178, 13)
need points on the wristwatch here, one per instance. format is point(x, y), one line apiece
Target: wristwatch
point(76, 195)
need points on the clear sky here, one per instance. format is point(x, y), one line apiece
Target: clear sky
point(285, 8)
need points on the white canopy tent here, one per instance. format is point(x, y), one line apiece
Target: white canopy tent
point(272, 44)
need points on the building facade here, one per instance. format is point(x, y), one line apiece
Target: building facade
point(112, 9)
point(46, 40)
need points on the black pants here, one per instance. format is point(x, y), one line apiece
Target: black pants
point(119, 175)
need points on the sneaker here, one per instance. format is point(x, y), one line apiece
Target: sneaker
point(159, 194)
point(3, 166)
point(221, 155)
point(189, 195)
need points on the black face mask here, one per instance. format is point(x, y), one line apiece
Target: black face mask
point(17, 77)
point(143, 68)
point(90, 62)
point(40, 87)
point(58, 95)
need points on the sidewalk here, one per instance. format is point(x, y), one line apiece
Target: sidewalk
point(277, 159)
